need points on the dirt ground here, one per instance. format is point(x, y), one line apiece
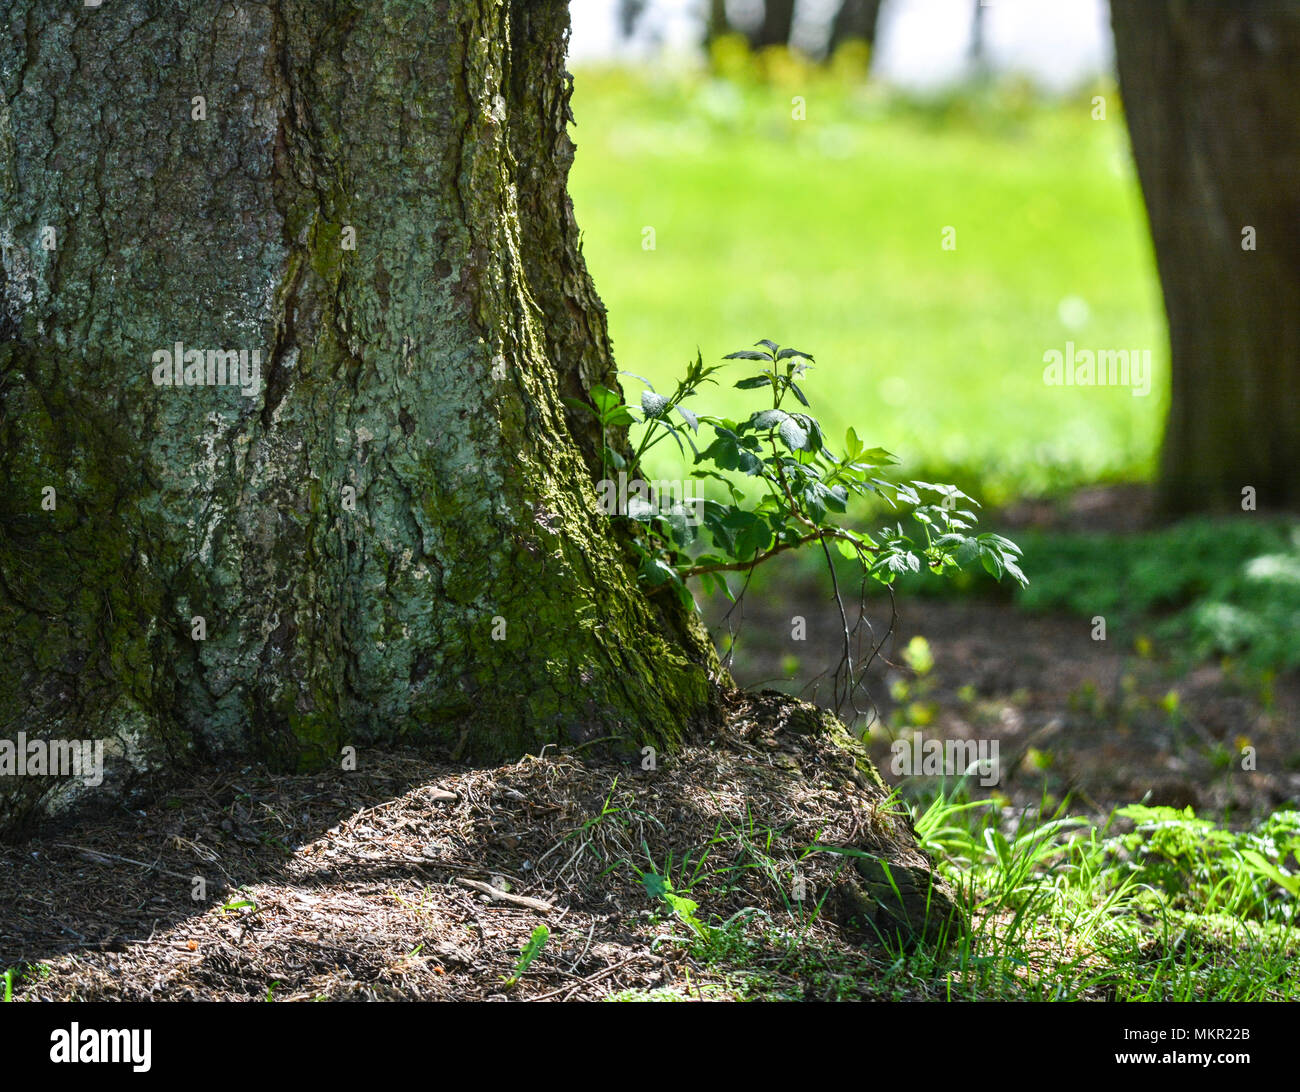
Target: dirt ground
point(1071, 715)
point(1101, 722)
point(410, 879)
point(414, 879)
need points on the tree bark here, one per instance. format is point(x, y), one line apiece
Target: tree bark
point(395, 534)
point(1213, 108)
point(716, 23)
point(855, 20)
point(778, 22)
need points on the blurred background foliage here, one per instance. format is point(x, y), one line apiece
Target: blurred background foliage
point(827, 233)
point(805, 200)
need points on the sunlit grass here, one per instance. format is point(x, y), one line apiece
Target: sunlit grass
point(828, 232)
point(1151, 904)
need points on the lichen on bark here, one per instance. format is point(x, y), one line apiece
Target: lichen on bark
point(420, 374)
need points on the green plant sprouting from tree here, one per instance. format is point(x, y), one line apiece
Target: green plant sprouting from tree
point(804, 489)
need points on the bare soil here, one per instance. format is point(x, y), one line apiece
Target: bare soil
point(1086, 720)
point(413, 879)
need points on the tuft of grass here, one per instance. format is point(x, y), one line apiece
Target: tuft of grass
point(530, 951)
point(1150, 904)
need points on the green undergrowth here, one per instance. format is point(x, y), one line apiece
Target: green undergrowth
point(1202, 587)
point(1150, 904)
point(1198, 589)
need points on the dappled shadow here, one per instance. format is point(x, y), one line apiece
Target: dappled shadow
point(1103, 722)
point(415, 879)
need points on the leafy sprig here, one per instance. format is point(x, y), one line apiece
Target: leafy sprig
point(801, 485)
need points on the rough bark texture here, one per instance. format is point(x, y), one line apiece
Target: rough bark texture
point(424, 370)
point(1213, 107)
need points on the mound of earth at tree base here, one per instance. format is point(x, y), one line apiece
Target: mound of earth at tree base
point(414, 879)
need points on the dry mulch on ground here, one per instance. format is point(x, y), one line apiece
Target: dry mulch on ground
point(1093, 721)
point(1073, 717)
point(411, 879)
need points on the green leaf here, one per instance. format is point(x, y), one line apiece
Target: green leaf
point(1016, 573)
point(654, 884)
point(792, 435)
point(747, 354)
point(689, 418)
point(736, 494)
point(578, 404)
point(768, 418)
point(640, 377)
point(786, 354)
point(679, 519)
point(685, 909)
point(753, 539)
point(1265, 867)
point(605, 399)
point(1007, 545)
point(728, 452)
point(816, 442)
point(672, 431)
point(640, 509)
point(753, 382)
point(653, 405)
point(657, 572)
point(876, 456)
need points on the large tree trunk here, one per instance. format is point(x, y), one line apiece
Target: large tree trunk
point(472, 597)
point(1213, 107)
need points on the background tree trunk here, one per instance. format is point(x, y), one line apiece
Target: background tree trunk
point(855, 19)
point(1213, 108)
point(977, 52)
point(629, 14)
point(716, 23)
point(423, 370)
point(778, 22)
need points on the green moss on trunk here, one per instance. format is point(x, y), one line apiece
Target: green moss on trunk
point(403, 482)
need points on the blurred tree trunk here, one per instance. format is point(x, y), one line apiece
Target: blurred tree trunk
point(1213, 106)
point(977, 52)
point(855, 20)
point(717, 23)
point(629, 14)
point(394, 534)
point(778, 22)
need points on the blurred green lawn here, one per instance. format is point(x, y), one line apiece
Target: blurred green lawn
point(825, 234)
